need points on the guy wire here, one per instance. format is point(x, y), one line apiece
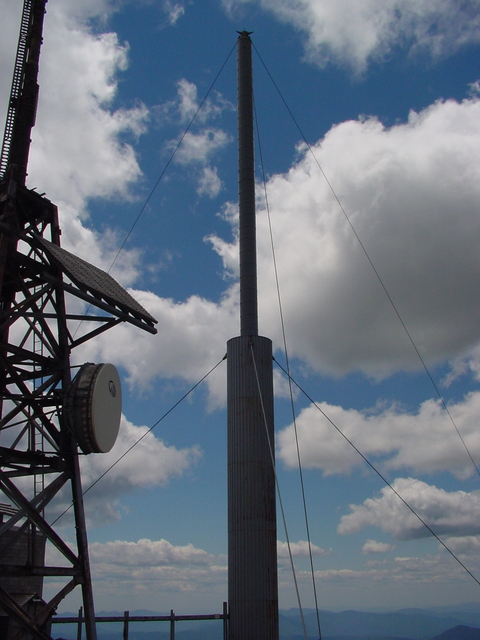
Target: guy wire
point(380, 475)
point(174, 406)
point(372, 265)
point(287, 360)
point(280, 501)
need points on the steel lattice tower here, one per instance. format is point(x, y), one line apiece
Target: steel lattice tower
point(39, 455)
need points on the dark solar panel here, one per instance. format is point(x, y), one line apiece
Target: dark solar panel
point(87, 276)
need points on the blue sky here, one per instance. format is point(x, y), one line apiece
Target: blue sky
point(387, 96)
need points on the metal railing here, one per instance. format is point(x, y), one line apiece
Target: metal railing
point(126, 619)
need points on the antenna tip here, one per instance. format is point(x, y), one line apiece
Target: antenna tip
point(244, 33)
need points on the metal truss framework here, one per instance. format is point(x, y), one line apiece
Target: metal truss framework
point(38, 451)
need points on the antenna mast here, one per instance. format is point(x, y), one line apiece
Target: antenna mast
point(252, 530)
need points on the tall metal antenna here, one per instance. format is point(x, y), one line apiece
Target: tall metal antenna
point(252, 530)
point(44, 415)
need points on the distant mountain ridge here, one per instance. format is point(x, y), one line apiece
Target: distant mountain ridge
point(460, 633)
point(415, 626)
point(439, 623)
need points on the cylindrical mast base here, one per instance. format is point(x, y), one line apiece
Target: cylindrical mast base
point(252, 535)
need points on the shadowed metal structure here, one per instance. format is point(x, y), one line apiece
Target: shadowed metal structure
point(39, 455)
point(252, 531)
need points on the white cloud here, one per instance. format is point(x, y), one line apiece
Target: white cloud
point(464, 365)
point(82, 147)
point(402, 573)
point(464, 545)
point(149, 463)
point(148, 553)
point(198, 147)
point(425, 442)
point(446, 513)
point(143, 573)
point(154, 553)
point(187, 105)
point(474, 89)
point(173, 10)
point(179, 350)
point(78, 82)
point(138, 571)
point(209, 183)
point(300, 549)
point(411, 192)
point(355, 33)
point(187, 100)
point(372, 546)
point(100, 249)
point(84, 11)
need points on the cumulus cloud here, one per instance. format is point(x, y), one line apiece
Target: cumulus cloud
point(453, 513)
point(411, 193)
point(464, 364)
point(82, 146)
point(148, 553)
point(151, 571)
point(356, 33)
point(300, 549)
point(80, 72)
point(149, 463)
point(202, 143)
point(464, 544)
point(84, 11)
point(152, 553)
point(150, 567)
point(187, 105)
point(372, 546)
point(79, 79)
point(173, 10)
point(198, 147)
point(179, 350)
point(133, 567)
point(402, 571)
point(209, 183)
point(424, 442)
